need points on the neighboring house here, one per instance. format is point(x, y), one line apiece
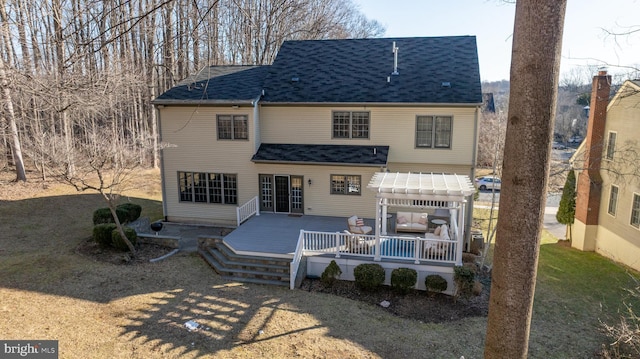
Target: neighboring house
point(307, 133)
point(608, 184)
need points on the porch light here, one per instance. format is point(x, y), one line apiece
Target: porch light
point(309, 182)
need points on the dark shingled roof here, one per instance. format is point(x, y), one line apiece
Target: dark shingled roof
point(322, 154)
point(218, 84)
point(431, 70)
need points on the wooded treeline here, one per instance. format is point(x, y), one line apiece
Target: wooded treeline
point(75, 71)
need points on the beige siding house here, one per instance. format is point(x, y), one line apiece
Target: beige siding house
point(306, 134)
point(608, 202)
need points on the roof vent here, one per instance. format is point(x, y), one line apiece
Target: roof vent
point(446, 84)
point(395, 58)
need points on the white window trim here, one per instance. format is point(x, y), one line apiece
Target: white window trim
point(631, 210)
point(606, 150)
point(615, 209)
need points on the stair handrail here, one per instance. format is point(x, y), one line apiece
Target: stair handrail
point(247, 210)
point(295, 262)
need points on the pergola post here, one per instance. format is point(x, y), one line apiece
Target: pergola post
point(377, 257)
point(460, 233)
point(383, 216)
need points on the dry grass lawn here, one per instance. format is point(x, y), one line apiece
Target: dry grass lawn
point(101, 310)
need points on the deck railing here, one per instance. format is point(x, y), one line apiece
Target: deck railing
point(391, 247)
point(247, 210)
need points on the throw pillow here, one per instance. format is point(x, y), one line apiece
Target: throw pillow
point(402, 220)
point(437, 231)
point(444, 232)
point(360, 222)
point(423, 220)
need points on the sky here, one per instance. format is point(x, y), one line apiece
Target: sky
point(585, 45)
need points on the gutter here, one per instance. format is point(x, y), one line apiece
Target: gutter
point(162, 179)
point(377, 104)
point(474, 160)
point(319, 163)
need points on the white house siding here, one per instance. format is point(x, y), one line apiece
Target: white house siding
point(190, 137)
point(616, 238)
point(318, 200)
point(190, 133)
point(392, 126)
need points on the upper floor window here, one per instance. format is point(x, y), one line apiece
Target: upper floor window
point(208, 187)
point(345, 184)
point(613, 200)
point(611, 145)
point(433, 131)
point(233, 127)
point(635, 211)
point(350, 124)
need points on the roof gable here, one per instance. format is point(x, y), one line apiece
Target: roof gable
point(218, 84)
point(430, 70)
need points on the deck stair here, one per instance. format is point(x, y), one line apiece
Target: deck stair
point(244, 268)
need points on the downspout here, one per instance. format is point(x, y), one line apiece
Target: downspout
point(474, 160)
point(162, 174)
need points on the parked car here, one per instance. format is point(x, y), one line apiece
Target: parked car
point(488, 182)
point(576, 139)
point(558, 146)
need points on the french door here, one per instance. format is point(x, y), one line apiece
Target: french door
point(281, 193)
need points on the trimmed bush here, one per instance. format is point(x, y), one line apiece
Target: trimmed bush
point(403, 279)
point(102, 234)
point(331, 274)
point(116, 239)
point(103, 215)
point(435, 283)
point(468, 257)
point(464, 278)
point(369, 276)
point(133, 210)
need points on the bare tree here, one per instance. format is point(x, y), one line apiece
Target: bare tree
point(535, 66)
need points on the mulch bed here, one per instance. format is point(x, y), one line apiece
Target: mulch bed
point(417, 304)
point(144, 252)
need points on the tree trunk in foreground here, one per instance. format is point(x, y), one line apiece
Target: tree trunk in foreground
point(535, 64)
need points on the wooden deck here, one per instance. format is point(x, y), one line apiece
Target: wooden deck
point(276, 235)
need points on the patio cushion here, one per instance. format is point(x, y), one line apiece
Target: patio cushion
point(437, 231)
point(444, 232)
point(360, 222)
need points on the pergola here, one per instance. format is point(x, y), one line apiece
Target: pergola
point(421, 190)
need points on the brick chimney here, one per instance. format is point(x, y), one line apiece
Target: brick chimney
point(589, 180)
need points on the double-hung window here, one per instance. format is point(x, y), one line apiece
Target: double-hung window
point(434, 131)
point(350, 124)
point(611, 145)
point(233, 127)
point(208, 187)
point(345, 184)
point(635, 211)
point(613, 200)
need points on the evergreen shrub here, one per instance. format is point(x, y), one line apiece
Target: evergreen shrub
point(403, 279)
point(119, 243)
point(369, 276)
